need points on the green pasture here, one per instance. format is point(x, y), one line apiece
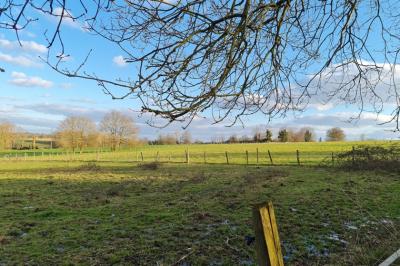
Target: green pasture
point(281, 153)
point(128, 213)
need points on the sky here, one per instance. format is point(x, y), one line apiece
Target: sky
point(36, 98)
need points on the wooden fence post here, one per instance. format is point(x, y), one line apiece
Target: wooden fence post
point(141, 154)
point(298, 157)
point(268, 245)
point(333, 159)
point(353, 156)
point(187, 156)
point(247, 157)
point(257, 156)
point(270, 158)
point(227, 158)
point(205, 157)
point(158, 156)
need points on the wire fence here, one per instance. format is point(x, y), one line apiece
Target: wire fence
point(245, 157)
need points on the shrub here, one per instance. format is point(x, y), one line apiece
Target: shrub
point(371, 158)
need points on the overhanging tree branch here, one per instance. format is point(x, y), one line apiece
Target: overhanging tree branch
point(235, 58)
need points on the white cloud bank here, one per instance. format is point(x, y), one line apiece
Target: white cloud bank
point(18, 60)
point(22, 80)
point(28, 46)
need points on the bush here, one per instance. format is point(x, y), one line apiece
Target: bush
point(371, 158)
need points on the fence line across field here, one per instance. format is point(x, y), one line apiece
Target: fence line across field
point(254, 157)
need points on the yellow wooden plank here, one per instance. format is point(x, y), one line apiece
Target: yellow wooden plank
point(261, 247)
point(269, 236)
point(268, 247)
point(278, 250)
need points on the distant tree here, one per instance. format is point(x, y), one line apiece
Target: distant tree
point(245, 139)
point(233, 139)
point(268, 135)
point(94, 139)
point(283, 135)
point(291, 135)
point(335, 134)
point(297, 136)
point(186, 137)
point(220, 139)
point(119, 128)
point(168, 139)
point(308, 135)
point(257, 137)
point(74, 132)
point(7, 135)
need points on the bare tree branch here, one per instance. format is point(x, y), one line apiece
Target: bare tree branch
point(230, 58)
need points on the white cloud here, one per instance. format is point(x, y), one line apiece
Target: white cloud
point(18, 60)
point(29, 46)
point(348, 82)
point(68, 19)
point(321, 106)
point(22, 80)
point(119, 61)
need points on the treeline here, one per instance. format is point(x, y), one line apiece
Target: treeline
point(117, 129)
point(78, 132)
point(259, 136)
point(284, 135)
point(173, 138)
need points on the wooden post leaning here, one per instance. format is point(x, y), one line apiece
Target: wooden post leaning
point(270, 158)
point(268, 245)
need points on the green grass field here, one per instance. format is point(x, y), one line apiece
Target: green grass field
point(118, 211)
point(282, 153)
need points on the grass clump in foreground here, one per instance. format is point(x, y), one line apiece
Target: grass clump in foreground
point(58, 212)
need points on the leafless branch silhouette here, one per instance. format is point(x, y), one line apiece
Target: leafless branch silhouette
point(234, 58)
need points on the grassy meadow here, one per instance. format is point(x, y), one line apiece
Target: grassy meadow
point(106, 208)
point(311, 153)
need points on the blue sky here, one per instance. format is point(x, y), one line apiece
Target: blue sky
point(36, 98)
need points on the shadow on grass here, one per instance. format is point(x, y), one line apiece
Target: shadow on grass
point(121, 213)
